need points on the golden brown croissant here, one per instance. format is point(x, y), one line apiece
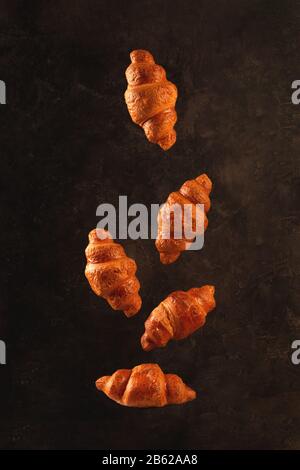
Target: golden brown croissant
point(145, 386)
point(192, 192)
point(151, 99)
point(178, 316)
point(111, 273)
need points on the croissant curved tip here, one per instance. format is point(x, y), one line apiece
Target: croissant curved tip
point(168, 258)
point(131, 312)
point(210, 289)
point(135, 307)
point(99, 234)
point(146, 343)
point(207, 289)
point(167, 141)
point(141, 55)
point(205, 181)
point(100, 383)
point(211, 296)
point(190, 394)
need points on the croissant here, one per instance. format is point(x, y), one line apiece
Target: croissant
point(151, 99)
point(192, 192)
point(111, 273)
point(178, 316)
point(145, 386)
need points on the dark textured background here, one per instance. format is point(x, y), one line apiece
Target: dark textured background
point(68, 144)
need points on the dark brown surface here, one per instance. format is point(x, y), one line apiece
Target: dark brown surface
point(68, 144)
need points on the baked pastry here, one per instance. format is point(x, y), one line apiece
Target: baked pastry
point(111, 273)
point(151, 99)
point(178, 316)
point(192, 192)
point(145, 386)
